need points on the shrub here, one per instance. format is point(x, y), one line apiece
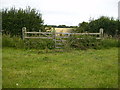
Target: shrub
point(85, 42)
point(13, 20)
point(14, 41)
point(39, 44)
point(17, 42)
point(108, 43)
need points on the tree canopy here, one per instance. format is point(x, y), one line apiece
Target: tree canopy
point(14, 19)
point(108, 24)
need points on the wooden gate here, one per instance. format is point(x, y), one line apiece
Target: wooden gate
point(57, 37)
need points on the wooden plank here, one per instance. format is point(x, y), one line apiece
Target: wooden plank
point(41, 37)
point(62, 36)
point(78, 33)
point(86, 34)
point(56, 37)
point(61, 40)
point(63, 33)
point(59, 44)
point(58, 47)
point(98, 38)
point(84, 38)
point(38, 32)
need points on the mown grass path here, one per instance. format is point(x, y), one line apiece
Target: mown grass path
point(75, 69)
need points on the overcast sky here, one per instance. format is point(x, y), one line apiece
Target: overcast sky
point(67, 12)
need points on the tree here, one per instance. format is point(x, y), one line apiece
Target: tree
point(82, 27)
point(13, 20)
point(62, 26)
point(108, 24)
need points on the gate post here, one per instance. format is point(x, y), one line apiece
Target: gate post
point(23, 33)
point(39, 31)
point(54, 36)
point(101, 33)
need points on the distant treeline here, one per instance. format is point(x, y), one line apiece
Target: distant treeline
point(61, 26)
point(14, 19)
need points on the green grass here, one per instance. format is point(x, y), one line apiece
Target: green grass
point(75, 69)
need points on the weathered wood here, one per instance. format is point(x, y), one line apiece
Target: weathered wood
point(62, 37)
point(63, 33)
point(84, 38)
point(38, 32)
point(56, 35)
point(41, 37)
point(59, 44)
point(61, 40)
point(101, 32)
point(99, 38)
point(58, 47)
point(78, 33)
point(86, 33)
point(23, 32)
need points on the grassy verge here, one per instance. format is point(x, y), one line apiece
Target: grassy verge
point(76, 69)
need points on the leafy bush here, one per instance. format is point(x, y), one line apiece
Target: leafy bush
point(109, 24)
point(39, 43)
point(17, 42)
point(108, 43)
point(13, 20)
point(85, 42)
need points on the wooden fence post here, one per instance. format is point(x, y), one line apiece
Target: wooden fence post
point(39, 31)
point(116, 34)
point(23, 32)
point(54, 36)
point(101, 33)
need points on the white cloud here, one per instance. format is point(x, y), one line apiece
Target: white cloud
point(69, 12)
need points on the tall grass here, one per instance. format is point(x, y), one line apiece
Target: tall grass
point(86, 42)
point(17, 42)
point(14, 41)
point(108, 43)
point(39, 43)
